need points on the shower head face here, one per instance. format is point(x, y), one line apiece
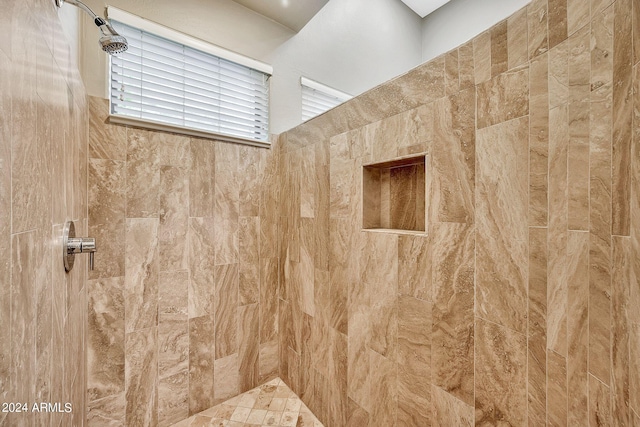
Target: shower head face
point(113, 44)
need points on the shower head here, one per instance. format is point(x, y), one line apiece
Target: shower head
point(111, 42)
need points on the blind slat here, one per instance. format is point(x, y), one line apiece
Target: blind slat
point(315, 102)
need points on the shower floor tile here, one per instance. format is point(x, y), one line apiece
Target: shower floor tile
point(271, 404)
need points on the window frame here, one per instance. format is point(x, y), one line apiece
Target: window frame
point(144, 25)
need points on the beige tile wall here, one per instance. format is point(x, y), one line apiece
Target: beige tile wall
point(183, 300)
point(43, 179)
point(517, 308)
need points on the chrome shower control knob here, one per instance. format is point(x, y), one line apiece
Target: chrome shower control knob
point(72, 245)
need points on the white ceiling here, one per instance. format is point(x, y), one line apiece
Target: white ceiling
point(293, 14)
point(424, 7)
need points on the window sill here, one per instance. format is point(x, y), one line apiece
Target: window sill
point(148, 124)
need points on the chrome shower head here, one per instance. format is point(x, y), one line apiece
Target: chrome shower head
point(111, 42)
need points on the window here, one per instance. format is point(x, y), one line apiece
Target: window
point(318, 98)
point(169, 81)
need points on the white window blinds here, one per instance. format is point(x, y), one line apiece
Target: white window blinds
point(318, 98)
point(166, 82)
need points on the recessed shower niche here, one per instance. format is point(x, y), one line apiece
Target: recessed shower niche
point(394, 195)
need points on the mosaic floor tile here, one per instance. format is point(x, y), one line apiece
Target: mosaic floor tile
point(272, 404)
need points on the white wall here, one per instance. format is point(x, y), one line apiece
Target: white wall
point(461, 20)
point(350, 45)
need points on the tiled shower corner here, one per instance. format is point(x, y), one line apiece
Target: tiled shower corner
point(271, 404)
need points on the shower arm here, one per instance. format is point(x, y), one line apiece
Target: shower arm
point(100, 23)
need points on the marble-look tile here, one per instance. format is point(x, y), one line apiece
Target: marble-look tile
point(537, 331)
point(343, 272)
point(141, 274)
point(466, 68)
point(634, 315)
point(106, 141)
point(226, 309)
point(556, 389)
point(388, 136)
point(322, 198)
point(503, 98)
point(5, 216)
point(517, 38)
point(620, 280)
point(414, 361)
point(141, 377)
point(173, 346)
point(599, 403)
point(173, 150)
point(447, 410)
point(578, 15)
point(500, 375)
point(338, 401)
point(578, 151)
point(577, 326)
point(307, 184)
point(26, 164)
point(105, 338)
point(268, 360)
point(174, 214)
point(24, 265)
point(357, 417)
point(622, 116)
point(499, 48)
point(502, 207)
point(452, 334)
point(414, 267)
point(143, 175)
point(202, 178)
point(248, 256)
point(634, 367)
point(226, 231)
point(226, 378)
point(250, 162)
point(107, 216)
point(537, 13)
point(173, 294)
point(600, 307)
point(201, 363)
point(558, 31)
point(379, 272)
point(107, 412)
point(201, 268)
point(384, 389)
point(452, 160)
point(226, 202)
point(268, 299)
point(451, 72)
point(482, 57)
point(539, 141)
point(557, 237)
point(248, 346)
point(602, 49)
point(173, 398)
point(559, 75)
point(358, 373)
point(305, 269)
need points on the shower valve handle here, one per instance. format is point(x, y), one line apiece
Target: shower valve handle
point(73, 245)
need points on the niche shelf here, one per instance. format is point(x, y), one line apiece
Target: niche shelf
point(394, 195)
